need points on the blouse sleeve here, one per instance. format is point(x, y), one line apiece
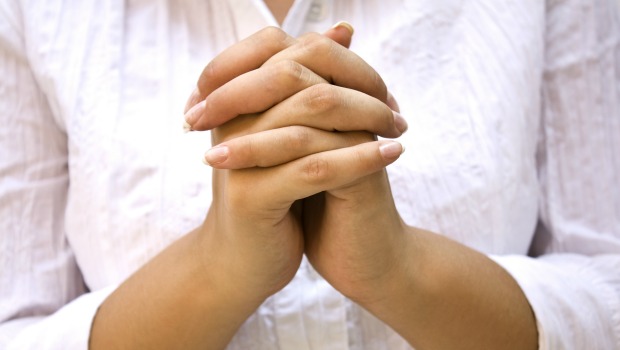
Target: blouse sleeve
point(572, 280)
point(43, 300)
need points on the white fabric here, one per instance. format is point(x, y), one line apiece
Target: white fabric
point(514, 114)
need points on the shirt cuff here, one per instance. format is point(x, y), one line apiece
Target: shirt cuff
point(575, 298)
point(67, 328)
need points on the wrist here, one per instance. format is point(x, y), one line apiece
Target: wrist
point(391, 279)
point(445, 294)
point(223, 274)
point(171, 289)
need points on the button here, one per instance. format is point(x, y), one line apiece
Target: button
point(317, 11)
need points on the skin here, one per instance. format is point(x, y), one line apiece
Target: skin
point(197, 292)
point(437, 293)
point(279, 8)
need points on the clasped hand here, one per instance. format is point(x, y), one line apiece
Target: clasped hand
point(297, 168)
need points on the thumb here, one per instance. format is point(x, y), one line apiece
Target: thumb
point(341, 32)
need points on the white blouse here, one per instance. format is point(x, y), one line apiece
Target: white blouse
point(513, 149)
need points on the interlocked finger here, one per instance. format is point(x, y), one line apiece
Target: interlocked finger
point(278, 146)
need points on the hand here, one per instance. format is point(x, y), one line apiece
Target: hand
point(210, 280)
point(251, 216)
point(355, 238)
point(301, 113)
point(247, 212)
point(413, 280)
point(268, 60)
point(353, 233)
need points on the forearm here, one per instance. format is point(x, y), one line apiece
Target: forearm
point(174, 301)
point(448, 296)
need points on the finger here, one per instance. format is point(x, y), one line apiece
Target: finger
point(334, 108)
point(341, 32)
point(392, 103)
point(278, 146)
point(334, 63)
point(252, 92)
point(194, 98)
point(322, 106)
point(326, 171)
point(245, 56)
point(251, 53)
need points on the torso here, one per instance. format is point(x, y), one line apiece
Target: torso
point(137, 182)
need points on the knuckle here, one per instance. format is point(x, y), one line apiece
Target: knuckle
point(287, 71)
point(316, 170)
point(322, 98)
point(270, 40)
point(316, 43)
point(271, 37)
point(247, 152)
point(298, 138)
point(272, 33)
point(359, 156)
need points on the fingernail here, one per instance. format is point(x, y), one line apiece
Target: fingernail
point(346, 25)
point(391, 149)
point(186, 127)
point(216, 155)
point(400, 122)
point(192, 116)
